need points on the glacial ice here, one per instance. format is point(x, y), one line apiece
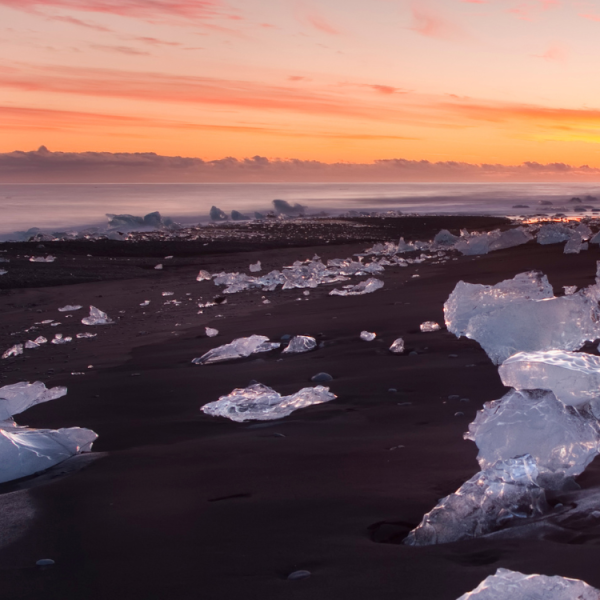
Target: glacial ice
point(575, 244)
point(30, 345)
point(216, 214)
point(158, 267)
point(364, 287)
point(512, 585)
point(85, 335)
point(299, 344)
point(562, 439)
point(444, 240)
point(13, 351)
point(573, 377)
point(510, 238)
point(256, 267)
point(203, 276)
point(263, 403)
point(17, 397)
point(367, 336)
point(482, 243)
point(41, 259)
point(490, 500)
point(514, 314)
point(40, 340)
point(145, 303)
point(236, 215)
point(239, 348)
point(59, 339)
point(553, 233)
point(569, 289)
point(97, 317)
point(398, 346)
point(429, 326)
point(283, 207)
point(210, 332)
point(70, 308)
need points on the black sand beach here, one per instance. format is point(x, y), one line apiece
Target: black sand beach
point(181, 505)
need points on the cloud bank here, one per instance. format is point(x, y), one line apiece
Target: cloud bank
point(44, 166)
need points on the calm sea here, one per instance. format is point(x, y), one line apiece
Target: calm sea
point(75, 206)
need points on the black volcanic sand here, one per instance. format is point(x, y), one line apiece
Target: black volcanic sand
point(182, 505)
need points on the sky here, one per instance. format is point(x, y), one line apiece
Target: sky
point(285, 89)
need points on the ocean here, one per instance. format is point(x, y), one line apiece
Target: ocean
point(69, 207)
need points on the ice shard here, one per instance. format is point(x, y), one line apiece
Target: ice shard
point(364, 287)
point(239, 348)
point(512, 585)
point(203, 276)
point(17, 397)
point(299, 344)
point(573, 377)
point(97, 317)
point(263, 403)
point(210, 332)
point(59, 339)
point(487, 502)
point(553, 233)
point(13, 351)
point(564, 440)
point(429, 326)
point(513, 316)
point(398, 346)
point(575, 244)
point(367, 336)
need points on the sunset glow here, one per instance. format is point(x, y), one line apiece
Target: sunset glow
point(499, 82)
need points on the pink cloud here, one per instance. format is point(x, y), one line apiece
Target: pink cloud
point(79, 23)
point(591, 17)
point(318, 22)
point(555, 53)
point(121, 49)
point(525, 10)
point(432, 25)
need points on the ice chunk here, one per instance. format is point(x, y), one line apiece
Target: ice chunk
point(553, 233)
point(41, 259)
point(40, 340)
point(575, 244)
point(30, 345)
point(429, 326)
point(158, 267)
point(444, 239)
point(27, 451)
point(488, 501)
point(168, 293)
point(216, 214)
point(513, 316)
point(476, 243)
point(59, 339)
point(13, 351)
point(512, 585)
point(263, 403)
point(283, 207)
point(256, 267)
point(562, 439)
point(86, 335)
point(203, 276)
point(364, 287)
point(70, 308)
point(18, 397)
point(236, 215)
point(595, 239)
point(573, 377)
point(210, 332)
point(398, 346)
point(145, 303)
point(367, 336)
point(239, 348)
point(97, 317)
point(569, 289)
point(510, 238)
point(299, 344)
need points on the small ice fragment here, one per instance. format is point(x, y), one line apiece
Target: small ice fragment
point(18, 397)
point(575, 244)
point(70, 308)
point(573, 377)
point(168, 293)
point(398, 346)
point(569, 289)
point(322, 378)
point(506, 584)
point(97, 317)
point(429, 326)
point(306, 293)
point(364, 287)
point(299, 344)
point(211, 332)
point(41, 259)
point(256, 267)
point(15, 350)
point(168, 257)
point(59, 339)
point(86, 335)
point(30, 345)
point(261, 402)
point(158, 267)
point(40, 340)
point(488, 501)
point(265, 301)
point(46, 322)
point(55, 324)
point(145, 303)
point(204, 276)
point(367, 336)
point(239, 348)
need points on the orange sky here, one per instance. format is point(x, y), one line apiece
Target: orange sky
point(476, 81)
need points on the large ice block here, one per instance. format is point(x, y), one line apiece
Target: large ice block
point(573, 377)
point(239, 348)
point(97, 317)
point(553, 233)
point(17, 397)
point(562, 439)
point(522, 314)
point(488, 501)
point(444, 239)
point(512, 585)
point(263, 403)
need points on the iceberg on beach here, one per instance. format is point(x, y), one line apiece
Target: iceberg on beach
point(216, 214)
point(573, 377)
point(482, 243)
point(489, 501)
point(153, 220)
point(263, 403)
point(97, 317)
point(512, 585)
point(562, 439)
point(239, 348)
point(16, 398)
point(444, 240)
point(283, 207)
point(553, 233)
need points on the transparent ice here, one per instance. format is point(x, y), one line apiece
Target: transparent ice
point(263, 403)
point(17, 397)
point(444, 239)
point(59, 339)
point(239, 348)
point(429, 326)
point(97, 317)
point(364, 287)
point(41, 259)
point(573, 377)
point(256, 267)
point(553, 233)
point(398, 346)
point(203, 276)
point(13, 351)
point(299, 344)
point(367, 336)
point(490, 500)
point(569, 289)
point(575, 244)
point(70, 308)
point(564, 440)
point(512, 585)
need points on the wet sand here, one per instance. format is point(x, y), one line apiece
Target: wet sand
point(183, 505)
